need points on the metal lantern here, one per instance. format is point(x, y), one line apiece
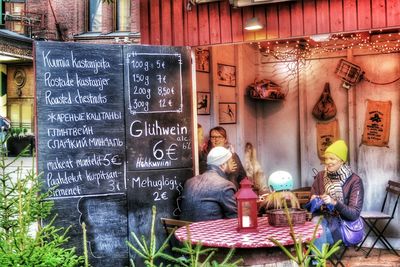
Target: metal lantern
point(247, 207)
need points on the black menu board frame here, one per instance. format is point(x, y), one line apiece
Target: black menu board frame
point(91, 101)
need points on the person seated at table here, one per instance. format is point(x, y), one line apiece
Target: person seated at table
point(210, 196)
point(219, 138)
point(340, 191)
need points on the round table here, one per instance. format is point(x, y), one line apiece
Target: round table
point(254, 248)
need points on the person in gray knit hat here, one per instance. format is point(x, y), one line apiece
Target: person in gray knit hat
point(210, 196)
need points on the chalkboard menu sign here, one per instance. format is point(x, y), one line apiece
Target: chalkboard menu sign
point(158, 101)
point(114, 135)
point(80, 118)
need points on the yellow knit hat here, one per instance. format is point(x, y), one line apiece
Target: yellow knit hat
point(339, 148)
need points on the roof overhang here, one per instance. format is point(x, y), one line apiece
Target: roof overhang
point(14, 48)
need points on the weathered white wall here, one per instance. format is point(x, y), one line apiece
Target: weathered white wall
point(245, 59)
point(284, 132)
point(289, 128)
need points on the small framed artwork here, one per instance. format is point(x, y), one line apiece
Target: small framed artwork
point(203, 103)
point(202, 60)
point(226, 75)
point(227, 113)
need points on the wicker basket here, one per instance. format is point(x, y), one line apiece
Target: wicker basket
point(278, 217)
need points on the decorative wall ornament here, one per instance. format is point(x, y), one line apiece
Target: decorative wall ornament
point(327, 133)
point(227, 113)
point(266, 90)
point(349, 73)
point(203, 103)
point(325, 108)
point(19, 79)
point(377, 123)
point(226, 75)
point(202, 60)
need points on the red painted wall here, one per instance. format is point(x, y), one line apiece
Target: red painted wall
point(169, 22)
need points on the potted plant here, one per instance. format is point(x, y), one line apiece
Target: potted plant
point(18, 139)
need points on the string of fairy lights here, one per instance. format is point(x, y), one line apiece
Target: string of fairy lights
point(307, 48)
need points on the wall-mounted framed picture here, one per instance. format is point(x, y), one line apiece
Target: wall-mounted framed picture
point(226, 75)
point(227, 113)
point(203, 103)
point(202, 59)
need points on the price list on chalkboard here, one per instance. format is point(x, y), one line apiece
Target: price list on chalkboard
point(158, 97)
point(81, 140)
point(152, 85)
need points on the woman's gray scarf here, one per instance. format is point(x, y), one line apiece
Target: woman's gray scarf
point(333, 181)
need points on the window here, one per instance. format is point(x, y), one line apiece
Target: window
point(21, 114)
point(15, 16)
point(95, 15)
point(123, 17)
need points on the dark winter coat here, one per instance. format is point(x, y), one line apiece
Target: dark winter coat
point(349, 209)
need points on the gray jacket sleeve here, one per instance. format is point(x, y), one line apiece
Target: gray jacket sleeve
point(228, 202)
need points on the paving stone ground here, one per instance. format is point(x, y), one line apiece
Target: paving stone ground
point(377, 258)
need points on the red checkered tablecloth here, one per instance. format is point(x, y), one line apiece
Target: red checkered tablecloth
point(223, 233)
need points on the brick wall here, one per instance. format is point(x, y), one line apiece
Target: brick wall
point(71, 18)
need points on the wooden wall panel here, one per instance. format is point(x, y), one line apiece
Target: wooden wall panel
point(192, 27)
point(247, 14)
point(166, 19)
point(322, 7)
point(215, 24)
point(393, 12)
point(364, 14)
point(237, 25)
point(204, 25)
point(259, 13)
point(336, 15)
point(297, 19)
point(169, 22)
point(225, 19)
point(350, 15)
point(310, 18)
point(144, 22)
point(378, 13)
point(178, 31)
point(155, 22)
point(272, 22)
point(284, 20)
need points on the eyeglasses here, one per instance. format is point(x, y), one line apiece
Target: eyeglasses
point(217, 137)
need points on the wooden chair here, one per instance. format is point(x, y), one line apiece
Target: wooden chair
point(303, 194)
point(170, 225)
point(386, 214)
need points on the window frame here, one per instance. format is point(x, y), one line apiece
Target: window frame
point(116, 17)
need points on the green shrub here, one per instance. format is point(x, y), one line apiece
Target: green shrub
point(23, 242)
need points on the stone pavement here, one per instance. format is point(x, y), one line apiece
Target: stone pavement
point(377, 258)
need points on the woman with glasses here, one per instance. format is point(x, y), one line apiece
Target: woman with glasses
point(218, 138)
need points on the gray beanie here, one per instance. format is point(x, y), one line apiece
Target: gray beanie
point(218, 156)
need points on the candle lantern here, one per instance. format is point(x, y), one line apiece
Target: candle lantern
point(247, 207)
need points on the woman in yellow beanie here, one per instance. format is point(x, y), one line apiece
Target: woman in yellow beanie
point(341, 191)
